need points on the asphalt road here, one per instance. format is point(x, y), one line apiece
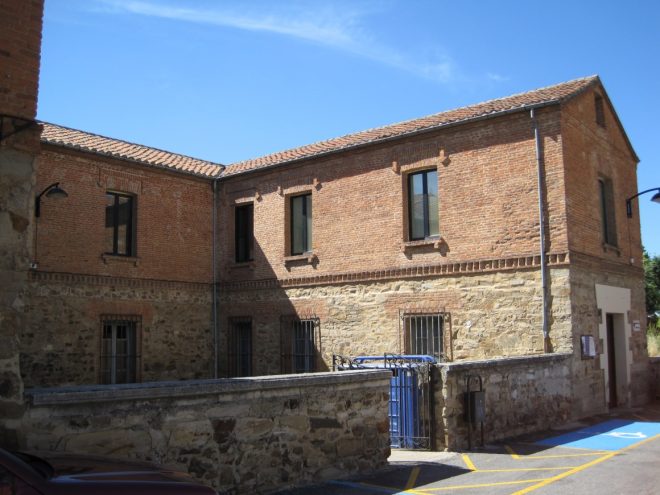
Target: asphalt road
point(614, 454)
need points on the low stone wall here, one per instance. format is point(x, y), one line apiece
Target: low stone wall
point(523, 394)
point(244, 435)
point(654, 363)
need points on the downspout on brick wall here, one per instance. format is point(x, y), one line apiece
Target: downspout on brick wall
point(541, 187)
point(215, 281)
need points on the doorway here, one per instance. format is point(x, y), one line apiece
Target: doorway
point(611, 360)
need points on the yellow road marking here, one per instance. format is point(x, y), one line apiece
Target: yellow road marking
point(559, 456)
point(413, 478)
point(426, 491)
point(582, 467)
point(468, 462)
point(514, 470)
point(512, 452)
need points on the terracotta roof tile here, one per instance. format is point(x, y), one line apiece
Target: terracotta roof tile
point(543, 96)
point(93, 143)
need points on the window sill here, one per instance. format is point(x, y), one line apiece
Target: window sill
point(609, 248)
point(240, 265)
point(308, 258)
point(434, 242)
point(114, 258)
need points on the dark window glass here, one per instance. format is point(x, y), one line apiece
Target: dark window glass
point(119, 224)
point(423, 204)
point(600, 110)
point(301, 224)
point(244, 233)
point(608, 220)
point(423, 335)
point(240, 347)
point(118, 352)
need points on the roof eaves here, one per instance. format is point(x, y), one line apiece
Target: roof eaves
point(404, 135)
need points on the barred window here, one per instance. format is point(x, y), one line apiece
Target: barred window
point(119, 349)
point(300, 338)
point(423, 333)
point(240, 347)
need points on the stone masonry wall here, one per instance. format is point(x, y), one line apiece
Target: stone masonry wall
point(61, 342)
point(20, 52)
point(585, 273)
point(247, 435)
point(523, 394)
point(492, 314)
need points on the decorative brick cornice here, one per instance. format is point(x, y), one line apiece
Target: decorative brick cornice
point(418, 271)
point(102, 280)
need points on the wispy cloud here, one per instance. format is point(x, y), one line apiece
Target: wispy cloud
point(341, 29)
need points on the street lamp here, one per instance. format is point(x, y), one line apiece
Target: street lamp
point(52, 191)
point(655, 199)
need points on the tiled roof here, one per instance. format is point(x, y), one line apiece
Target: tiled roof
point(543, 96)
point(115, 148)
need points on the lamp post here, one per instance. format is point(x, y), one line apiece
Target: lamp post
point(52, 191)
point(655, 199)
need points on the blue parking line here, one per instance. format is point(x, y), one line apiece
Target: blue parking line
point(611, 435)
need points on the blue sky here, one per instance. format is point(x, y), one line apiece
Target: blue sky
point(227, 81)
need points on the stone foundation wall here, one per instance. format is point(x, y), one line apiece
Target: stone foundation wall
point(491, 314)
point(585, 273)
point(61, 342)
point(523, 395)
point(248, 435)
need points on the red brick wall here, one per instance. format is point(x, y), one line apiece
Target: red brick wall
point(591, 151)
point(488, 201)
point(174, 216)
point(20, 49)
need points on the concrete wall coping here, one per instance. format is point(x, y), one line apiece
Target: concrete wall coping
point(189, 388)
point(534, 359)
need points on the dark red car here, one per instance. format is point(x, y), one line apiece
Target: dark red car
point(59, 474)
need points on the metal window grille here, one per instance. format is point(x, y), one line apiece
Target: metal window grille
point(240, 347)
point(119, 350)
point(300, 339)
point(423, 334)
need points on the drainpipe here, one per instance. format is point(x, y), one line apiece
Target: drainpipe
point(215, 279)
point(544, 278)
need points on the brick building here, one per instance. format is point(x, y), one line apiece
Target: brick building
point(494, 230)
point(424, 237)
point(122, 272)
point(419, 237)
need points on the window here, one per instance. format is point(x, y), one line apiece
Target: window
point(600, 110)
point(301, 224)
point(120, 224)
point(423, 205)
point(299, 340)
point(608, 221)
point(119, 355)
point(423, 334)
point(240, 347)
point(244, 233)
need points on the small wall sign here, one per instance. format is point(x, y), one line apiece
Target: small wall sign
point(636, 326)
point(588, 346)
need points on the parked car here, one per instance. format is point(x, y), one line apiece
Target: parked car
point(56, 473)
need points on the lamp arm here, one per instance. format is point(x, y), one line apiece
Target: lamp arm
point(629, 200)
point(37, 199)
